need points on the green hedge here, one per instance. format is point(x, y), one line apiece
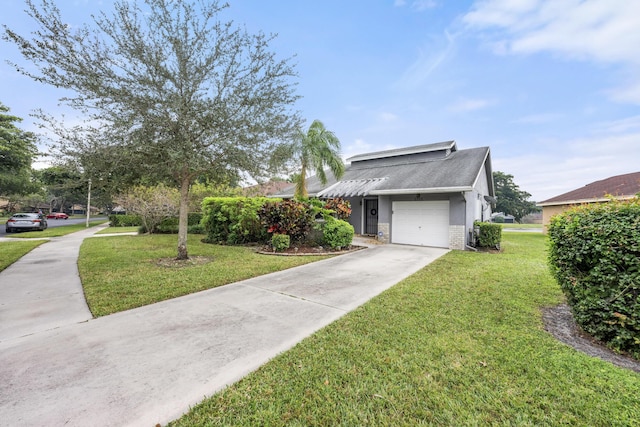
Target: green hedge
point(338, 233)
point(233, 220)
point(594, 253)
point(127, 220)
point(488, 235)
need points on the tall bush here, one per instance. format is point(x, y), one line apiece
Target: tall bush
point(233, 219)
point(594, 253)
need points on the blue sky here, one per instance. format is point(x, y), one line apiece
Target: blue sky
point(553, 87)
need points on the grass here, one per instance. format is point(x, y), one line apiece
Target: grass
point(523, 226)
point(459, 343)
point(57, 231)
point(11, 251)
point(122, 272)
point(112, 230)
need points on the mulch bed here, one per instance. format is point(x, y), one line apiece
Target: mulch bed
point(558, 321)
point(309, 250)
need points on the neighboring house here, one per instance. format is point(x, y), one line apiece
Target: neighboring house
point(505, 218)
point(267, 189)
point(620, 187)
point(427, 195)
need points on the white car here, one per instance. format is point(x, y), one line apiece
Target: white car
point(26, 221)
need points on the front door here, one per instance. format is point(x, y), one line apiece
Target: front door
point(371, 217)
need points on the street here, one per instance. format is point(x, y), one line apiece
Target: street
point(52, 223)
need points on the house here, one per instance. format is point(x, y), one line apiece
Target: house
point(503, 218)
point(621, 187)
point(427, 195)
point(268, 188)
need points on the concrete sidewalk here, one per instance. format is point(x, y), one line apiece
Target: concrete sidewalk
point(42, 290)
point(149, 365)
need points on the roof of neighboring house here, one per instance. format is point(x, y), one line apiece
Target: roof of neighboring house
point(620, 186)
point(432, 168)
point(266, 189)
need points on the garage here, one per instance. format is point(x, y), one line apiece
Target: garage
point(421, 223)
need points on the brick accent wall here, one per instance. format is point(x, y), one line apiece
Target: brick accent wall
point(384, 228)
point(457, 237)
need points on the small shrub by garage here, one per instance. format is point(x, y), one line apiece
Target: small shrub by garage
point(488, 235)
point(594, 253)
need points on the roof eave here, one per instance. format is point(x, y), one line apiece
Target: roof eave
point(583, 201)
point(432, 190)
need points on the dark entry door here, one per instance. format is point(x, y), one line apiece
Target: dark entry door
point(371, 216)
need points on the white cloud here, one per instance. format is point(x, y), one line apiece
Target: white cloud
point(539, 118)
point(420, 70)
point(572, 164)
point(467, 104)
point(419, 5)
point(602, 31)
point(387, 117)
point(628, 94)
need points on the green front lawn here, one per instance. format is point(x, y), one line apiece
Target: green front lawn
point(11, 251)
point(459, 343)
point(122, 272)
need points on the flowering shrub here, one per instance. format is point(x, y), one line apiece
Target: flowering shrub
point(289, 217)
point(341, 208)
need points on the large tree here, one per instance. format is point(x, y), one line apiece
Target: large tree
point(510, 199)
point(17, 152)
point(313, 152)
point(168, 90)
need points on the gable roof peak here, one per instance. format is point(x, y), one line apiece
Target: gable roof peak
point(425, 148)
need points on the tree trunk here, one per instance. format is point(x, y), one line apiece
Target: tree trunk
point(184, 218)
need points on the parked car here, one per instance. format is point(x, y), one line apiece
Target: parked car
point(26, 221)
point(58, 215)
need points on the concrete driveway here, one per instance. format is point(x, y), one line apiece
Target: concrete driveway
point(149, 365)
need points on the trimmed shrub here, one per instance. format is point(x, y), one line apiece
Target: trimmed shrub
point(233, 220)
point(289, 217)
point(280, 242)
point(127, 220)
point(338, 233)
point(594, 254)
point(194, 218)
point(488, 235)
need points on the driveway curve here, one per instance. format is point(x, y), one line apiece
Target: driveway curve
point(149, 365)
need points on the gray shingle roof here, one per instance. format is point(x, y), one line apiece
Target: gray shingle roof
point(405, 174)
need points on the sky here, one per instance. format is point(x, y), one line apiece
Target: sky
point(551, 86)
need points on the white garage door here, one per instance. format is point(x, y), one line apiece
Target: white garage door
point(420, 223)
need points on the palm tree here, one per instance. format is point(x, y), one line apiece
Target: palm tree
point(316, 150)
